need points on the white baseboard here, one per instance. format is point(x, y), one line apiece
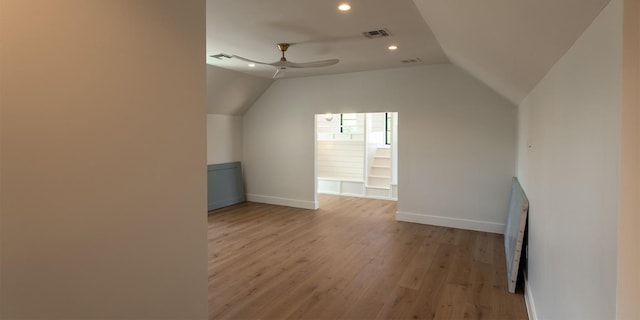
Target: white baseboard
point(528, 300)
point(457, 223)
point(313, 205)
point(354, 195)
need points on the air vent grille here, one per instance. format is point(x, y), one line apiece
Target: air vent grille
point(373, 34)
point(220, 56)
point(416, 60)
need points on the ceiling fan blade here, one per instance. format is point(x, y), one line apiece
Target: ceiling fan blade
point(280, 64)
point(279, 73)
point(249, 60)
point(314, 64)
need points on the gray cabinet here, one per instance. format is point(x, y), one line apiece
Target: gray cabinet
point(225, 185)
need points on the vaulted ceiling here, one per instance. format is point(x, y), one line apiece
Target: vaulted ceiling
point(507, 44)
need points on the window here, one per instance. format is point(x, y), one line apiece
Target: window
point(348, 122)
point(387, 128)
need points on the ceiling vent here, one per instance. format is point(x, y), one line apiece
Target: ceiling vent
point(416, 60)
point(373, 34)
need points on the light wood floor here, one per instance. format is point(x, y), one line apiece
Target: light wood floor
point(351, 260)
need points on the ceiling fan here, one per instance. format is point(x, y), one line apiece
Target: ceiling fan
point(282, 64)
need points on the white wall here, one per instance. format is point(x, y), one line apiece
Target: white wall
point(341, 160)
point(377, 134)
point(232, 93)
point(394, 148)
point(456, 158)
point(570, 173)
point(224, 138)
point(103, 160)
point(330, 129)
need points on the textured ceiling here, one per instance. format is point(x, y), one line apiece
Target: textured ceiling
point(507, 44)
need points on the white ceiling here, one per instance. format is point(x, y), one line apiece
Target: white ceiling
point(507, 44)
point(232, 93)
point(252, 28)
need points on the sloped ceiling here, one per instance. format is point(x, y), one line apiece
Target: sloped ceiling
point(508, 44)
point(231, 92)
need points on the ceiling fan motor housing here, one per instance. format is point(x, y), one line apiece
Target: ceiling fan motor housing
point(283, 47)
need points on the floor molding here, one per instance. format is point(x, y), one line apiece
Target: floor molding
point(528, 300)
point(313, 205)
point(457, 223)
point(353, 195)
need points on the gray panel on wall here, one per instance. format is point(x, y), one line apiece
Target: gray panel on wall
point(514, 233)
point(224, 185)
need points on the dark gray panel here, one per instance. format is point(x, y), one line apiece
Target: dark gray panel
point(224, 185)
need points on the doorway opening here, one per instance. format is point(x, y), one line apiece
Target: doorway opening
point(357, 154)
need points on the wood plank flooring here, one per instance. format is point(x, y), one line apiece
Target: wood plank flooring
point(352, 260)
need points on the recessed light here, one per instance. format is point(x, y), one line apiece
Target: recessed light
point(252, 65)
point(344, 7)
point(393, 47)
